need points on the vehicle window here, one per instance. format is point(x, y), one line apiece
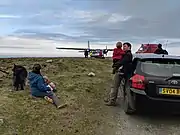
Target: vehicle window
point(161, 67)
point(141, 48)
point(145, 48)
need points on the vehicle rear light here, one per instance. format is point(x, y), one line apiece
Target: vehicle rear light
point(138, 82)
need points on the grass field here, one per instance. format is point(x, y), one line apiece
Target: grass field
point(85, 115)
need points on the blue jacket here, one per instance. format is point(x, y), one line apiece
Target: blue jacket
point(37, 84)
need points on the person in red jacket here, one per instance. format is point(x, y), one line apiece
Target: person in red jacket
point(117, 54)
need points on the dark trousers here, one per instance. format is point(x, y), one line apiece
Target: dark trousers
point(115, 60)
point(86, 55)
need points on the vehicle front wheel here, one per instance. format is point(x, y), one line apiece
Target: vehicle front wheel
point(129, 101)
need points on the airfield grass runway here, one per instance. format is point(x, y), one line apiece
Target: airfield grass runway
point(86, 113)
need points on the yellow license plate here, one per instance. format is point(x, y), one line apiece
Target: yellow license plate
point(169, 91)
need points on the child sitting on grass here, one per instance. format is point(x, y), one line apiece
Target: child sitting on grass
point(50, 84)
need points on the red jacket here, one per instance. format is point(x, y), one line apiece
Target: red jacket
point(118, 53)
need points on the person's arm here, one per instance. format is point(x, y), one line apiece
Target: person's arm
point(122, 52)
point(165, 52)
point(43, 86)
point(126, 59)
point(114, 52)
point(156, 52)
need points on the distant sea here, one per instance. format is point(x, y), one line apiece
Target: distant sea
point(10, 56)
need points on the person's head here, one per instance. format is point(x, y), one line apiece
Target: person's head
point(46, 79)
point(119, 45)
point(127, 46)
point(37, 68)
point(159, 46)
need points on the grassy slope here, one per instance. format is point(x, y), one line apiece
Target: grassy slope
point(85, 114)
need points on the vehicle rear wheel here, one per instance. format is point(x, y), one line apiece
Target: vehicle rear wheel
point(129, 101)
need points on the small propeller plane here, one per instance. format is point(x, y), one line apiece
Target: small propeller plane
point(96, 53)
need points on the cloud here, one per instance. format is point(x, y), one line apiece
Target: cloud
point(100, 21)
point(3, 16)
point(13, 46)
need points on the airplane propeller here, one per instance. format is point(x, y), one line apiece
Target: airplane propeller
point(105, 51)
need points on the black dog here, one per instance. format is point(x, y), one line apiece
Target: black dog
point(19, 76)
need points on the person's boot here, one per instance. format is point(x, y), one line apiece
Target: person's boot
point(61, 106)
point(48, 99)
point(106, 100)
point(110, 103)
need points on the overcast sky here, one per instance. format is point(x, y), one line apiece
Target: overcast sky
point(100, 21)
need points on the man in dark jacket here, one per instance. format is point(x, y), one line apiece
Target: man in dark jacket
point(123, 71)
point(159, 50)
point(86, 53)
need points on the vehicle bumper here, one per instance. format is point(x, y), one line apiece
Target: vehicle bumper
point(159, 103)
point(143, 94)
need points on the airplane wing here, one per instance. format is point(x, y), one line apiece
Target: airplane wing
point(110, 49)
point(82, 49)
point(71, 48)
point(75, 48)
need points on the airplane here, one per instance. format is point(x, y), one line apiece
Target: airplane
point(95, 53)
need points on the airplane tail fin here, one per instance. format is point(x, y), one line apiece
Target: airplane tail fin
point(88, 48)
point(88, 45)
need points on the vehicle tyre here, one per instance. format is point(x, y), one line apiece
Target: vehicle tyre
point(129, 101)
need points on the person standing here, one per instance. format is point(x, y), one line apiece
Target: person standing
point(86, 53)
point(125, 65)
point(159, 50)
